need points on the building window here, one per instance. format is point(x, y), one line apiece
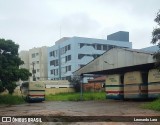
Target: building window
point(69, 47)
point(98, 47)
point(80, 56)
point(56, 53)
point(50, 54)
point(68, 58)
point(110, 47)
point(37, 54)
point(51, 71)
point(68, 68)
point(51, 62)
point(104, 47)
point(57, 71)
point(81, 45)
point(37, 70)
point(33, 55)
point(37, 62)
point(54, 62)
point(81, 65)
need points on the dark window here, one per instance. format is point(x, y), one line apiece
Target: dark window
point(81, 66)
point(50, 53)
point(69, 68)
point(65, 58)
point(104, 47)
point(51, 71)
point(96, 55)
point(53, 53)
point(69, 57)
point(98, 47)
point(81, 45)
point(69, 47)
point(65, 48)
point(52, 62)
point(93, 46)
point(110, 47)
point(56, 62)
point(80, 56)
point(33, 55)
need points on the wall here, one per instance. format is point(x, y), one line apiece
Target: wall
point(48, 91)
point(93, 86)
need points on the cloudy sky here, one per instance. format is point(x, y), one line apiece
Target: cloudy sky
point(36, 23)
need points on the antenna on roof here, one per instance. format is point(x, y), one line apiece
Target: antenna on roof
point(60, 32)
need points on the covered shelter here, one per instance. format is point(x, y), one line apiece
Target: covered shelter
point(118, 60)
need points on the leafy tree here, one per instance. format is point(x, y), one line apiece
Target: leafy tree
point(76, 83)
point(9, 66)
point(156, 39)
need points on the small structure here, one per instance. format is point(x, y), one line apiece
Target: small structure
point(96, 84)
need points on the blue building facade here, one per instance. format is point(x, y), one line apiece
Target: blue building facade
point(151, 49)
point(70, 54)
point(119, 36)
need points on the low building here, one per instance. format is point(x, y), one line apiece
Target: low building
point(96, 84)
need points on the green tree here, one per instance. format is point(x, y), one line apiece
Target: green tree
point(76, 83)
point(9, 66)
point(156, 40)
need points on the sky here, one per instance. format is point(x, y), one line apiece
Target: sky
point(36, 23)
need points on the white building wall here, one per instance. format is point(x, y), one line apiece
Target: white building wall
point(38, 58)
point(24, 55)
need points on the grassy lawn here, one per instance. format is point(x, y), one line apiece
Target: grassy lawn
point(11, 99)
point(154, 105)
point(76, 96)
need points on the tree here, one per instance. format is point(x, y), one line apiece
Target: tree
point(156, 40)
point(9, 66)
point(76, 83)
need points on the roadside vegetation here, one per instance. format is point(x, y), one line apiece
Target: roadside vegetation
point(154, 105)
point(11, 99)
point(76, 96)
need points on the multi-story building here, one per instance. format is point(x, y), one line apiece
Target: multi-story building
point(70, 54)
point(36, 61)
point(151, 49)
point(24, 55)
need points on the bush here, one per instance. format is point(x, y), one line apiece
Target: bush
point(76, 83)
point(11, 99)
point(155, 105)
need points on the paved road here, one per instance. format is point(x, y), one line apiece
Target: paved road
point(81, 108)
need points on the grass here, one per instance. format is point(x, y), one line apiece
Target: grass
point(154, 105)
point(11, 99)
point(76, 96)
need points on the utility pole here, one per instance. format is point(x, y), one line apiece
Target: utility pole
point(33, 71)
point(81, 83)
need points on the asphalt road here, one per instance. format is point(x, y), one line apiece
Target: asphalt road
point(82, 108)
